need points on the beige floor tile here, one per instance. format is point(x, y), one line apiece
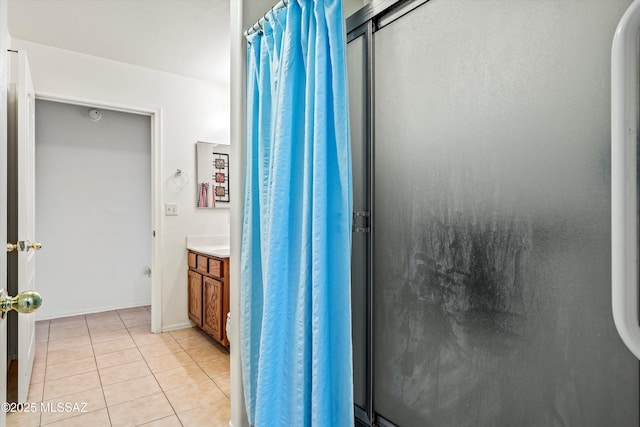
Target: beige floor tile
point(73, 367)
point(130, 323)
point(160, 349)
point(112, 358)
point(36, 390)
point(103, 315)
point(37, 374)
point(194, 395)
point(109, 325)
point(68, 319)
point(67, 322)
point(115, 334)
point(169, 361)
point(74, 405)
point(127, 311)
point(42, 336)
point(179, 334)
point(68, 333)
point(40, 359)
point(171, 421)
point(106, 317)
point(214, 415)
point(23, 419)
point(71, 385)
point(42, 347)
point(150, 339)
point(178, 377)
point(67, 343)
point(134, 314)
point(63, 329)
point(127, 371)
point(42, 324)
point(60, 356)
point(215, 368)
point(118, 358)
point(196, 343)
point(207, 355)
point(224, 382)
point(93, 419)
point(130, 390)
point(139, 330)
point(111, 346)
point(140, 411)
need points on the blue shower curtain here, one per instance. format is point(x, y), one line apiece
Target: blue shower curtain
point(296, 239)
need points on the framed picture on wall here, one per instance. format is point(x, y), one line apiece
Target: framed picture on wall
point(212, 165)
point(221, 177)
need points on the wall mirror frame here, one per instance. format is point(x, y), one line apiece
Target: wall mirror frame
point(212, 172)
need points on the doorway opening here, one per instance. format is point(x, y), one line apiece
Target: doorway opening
point(122, 194)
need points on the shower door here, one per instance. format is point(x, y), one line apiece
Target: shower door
point(491, 261)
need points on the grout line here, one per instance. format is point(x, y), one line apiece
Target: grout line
point(95, 360)
point(44, 376)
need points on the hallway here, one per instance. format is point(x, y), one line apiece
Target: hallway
point(125, 375)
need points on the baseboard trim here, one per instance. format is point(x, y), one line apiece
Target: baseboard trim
point(93, 310)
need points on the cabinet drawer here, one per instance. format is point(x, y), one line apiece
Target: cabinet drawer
point(201, 263)
point(192, 260)
point(215, 267)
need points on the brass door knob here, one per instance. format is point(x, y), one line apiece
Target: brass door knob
point(24, 302)
point(23, 245)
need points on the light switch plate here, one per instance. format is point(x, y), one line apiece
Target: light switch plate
point(171, 209)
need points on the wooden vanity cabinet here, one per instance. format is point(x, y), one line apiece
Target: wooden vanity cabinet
point(209, 294)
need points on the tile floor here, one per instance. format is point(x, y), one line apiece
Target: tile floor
point(126, 375)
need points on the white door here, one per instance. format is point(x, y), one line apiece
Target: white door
point(25, 100)
point(4, 72)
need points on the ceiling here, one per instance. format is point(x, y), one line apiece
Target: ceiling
point(185, 37)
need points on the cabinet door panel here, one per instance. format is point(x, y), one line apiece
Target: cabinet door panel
point(212, 322)
point(195, 297)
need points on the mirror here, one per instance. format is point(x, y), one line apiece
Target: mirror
point(212, 168)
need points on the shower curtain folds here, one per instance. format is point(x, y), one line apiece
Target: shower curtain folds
point(296, 237)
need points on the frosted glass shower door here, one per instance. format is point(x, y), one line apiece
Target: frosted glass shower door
point(492, 218)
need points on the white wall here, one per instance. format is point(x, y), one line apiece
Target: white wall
point(191, 110)
point(93, 199)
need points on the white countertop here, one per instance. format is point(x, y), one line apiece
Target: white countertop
point(213, 250)
point(217, 246)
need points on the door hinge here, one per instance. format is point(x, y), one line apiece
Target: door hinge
point(360, 222)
